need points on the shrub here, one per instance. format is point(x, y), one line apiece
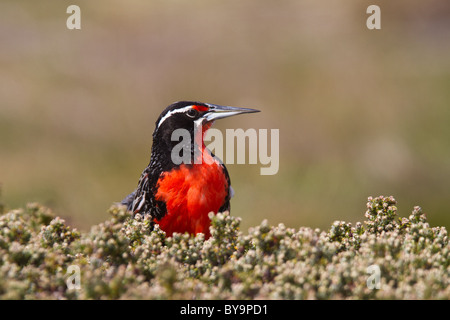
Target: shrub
point(127, 258)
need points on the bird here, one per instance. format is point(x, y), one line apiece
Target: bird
point(179, 195)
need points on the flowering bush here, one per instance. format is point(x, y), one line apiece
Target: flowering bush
point(125, 258)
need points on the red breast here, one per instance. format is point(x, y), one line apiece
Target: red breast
point(191, 192)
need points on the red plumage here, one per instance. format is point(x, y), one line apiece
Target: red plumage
point(190, 193)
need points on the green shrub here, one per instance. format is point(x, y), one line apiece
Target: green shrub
point(125, 258)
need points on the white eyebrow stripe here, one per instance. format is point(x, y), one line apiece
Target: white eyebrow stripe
point(168, 114)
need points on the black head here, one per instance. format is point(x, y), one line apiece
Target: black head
point(180, 114)
point(189, 115)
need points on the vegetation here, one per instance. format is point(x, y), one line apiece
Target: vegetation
point(126, 258)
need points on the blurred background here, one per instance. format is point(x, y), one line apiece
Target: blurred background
point(360, 112)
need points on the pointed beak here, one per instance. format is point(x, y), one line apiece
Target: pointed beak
point(218, 112)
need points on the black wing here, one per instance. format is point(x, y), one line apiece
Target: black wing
point(226, 205)
point(143, 200)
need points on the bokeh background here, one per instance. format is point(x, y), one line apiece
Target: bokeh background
point(360, 112)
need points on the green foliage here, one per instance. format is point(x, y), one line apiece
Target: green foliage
point(381, 213)
point(127, 257)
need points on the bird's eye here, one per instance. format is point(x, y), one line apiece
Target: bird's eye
point(192, 113)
